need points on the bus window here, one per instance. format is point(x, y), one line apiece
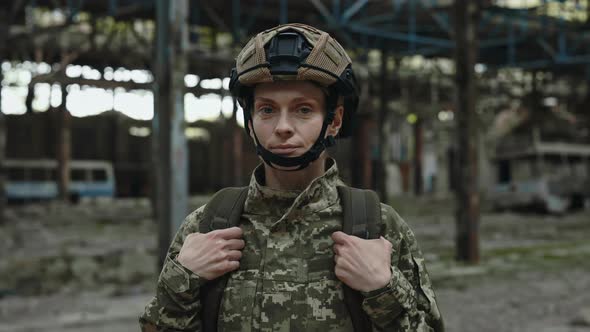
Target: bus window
point(78, 175)
point(99, 175)
point(15, 174)
point(38, 174)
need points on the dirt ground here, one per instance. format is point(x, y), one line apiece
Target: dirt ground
point(91, 267)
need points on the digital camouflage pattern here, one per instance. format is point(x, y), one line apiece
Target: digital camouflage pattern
point(286, 279)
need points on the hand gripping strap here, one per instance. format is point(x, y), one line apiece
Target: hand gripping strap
point(362, 218)
point(222, 211)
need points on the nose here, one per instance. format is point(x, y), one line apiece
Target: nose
point(284, 127)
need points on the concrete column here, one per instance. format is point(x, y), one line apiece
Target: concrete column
point(362, 168)
point(3, 34)
point(171, 157)
point(467, 191)
point(2, 151)
point(382, 115)
point(64, 148)
point(237, 152)
point(418, 154)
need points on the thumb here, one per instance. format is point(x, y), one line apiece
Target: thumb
point(339, 237)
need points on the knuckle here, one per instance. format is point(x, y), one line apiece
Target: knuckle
point(388, 244)
point(223, 255)
point(230, 265)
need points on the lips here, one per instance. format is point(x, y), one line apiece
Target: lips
point(283, 149)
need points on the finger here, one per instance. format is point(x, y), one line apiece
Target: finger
point(226, 266)
point(228, 233)
point(337, 248)
point(234, 244)
point(337, 259)
point(234, 255)
point(388, 243)
point(341, 274)
point(339, 237)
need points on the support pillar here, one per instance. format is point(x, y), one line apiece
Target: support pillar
point(418, 149)
point(171, 158)
point(64, 148)
point(362, 168)
point(238, 158)
point(382, 115)
point(2, 151)
point(3, 34)
point(468, 201)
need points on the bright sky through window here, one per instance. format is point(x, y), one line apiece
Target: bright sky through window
point(86, 101)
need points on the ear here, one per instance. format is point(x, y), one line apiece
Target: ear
point(334, 127)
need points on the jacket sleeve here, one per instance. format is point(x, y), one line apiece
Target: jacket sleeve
point(408, 302)
point(176, 306)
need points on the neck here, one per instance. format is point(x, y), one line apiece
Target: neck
point(298, 180)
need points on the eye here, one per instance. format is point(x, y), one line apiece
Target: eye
point(305, 110)
point(265, 110)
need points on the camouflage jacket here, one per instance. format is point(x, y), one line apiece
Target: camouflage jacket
point(286, 279)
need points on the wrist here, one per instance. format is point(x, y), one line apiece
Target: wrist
point(380, 286)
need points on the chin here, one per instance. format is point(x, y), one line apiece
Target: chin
point(283, 168)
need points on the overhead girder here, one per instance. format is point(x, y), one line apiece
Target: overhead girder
point(508, 37)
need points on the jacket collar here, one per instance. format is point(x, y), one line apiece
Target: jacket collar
point(291, 204)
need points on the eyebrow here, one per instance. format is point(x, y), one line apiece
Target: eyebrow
point(262, 99)
point(295, 100)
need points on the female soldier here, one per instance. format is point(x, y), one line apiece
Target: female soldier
point(286, 263)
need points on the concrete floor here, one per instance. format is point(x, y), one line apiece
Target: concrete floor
point(534, 274)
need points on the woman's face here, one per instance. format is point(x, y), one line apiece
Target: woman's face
point(288, 116)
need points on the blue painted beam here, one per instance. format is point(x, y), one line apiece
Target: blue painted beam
point(252, 18)
point(236, 19)
point(562, 42)
point(544, 63)
point(412, 26)
point(546, 47)
point(511, 45)
point(336, 8)
point(113, 4)
point(375, 19)
point(440, 19)
point(284, 12)
point(399, 36)
point(352, 10)
point(324, 12)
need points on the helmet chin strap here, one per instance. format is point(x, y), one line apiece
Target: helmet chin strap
point(311, 155)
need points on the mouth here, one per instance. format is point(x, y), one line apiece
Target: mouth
point(284, 150)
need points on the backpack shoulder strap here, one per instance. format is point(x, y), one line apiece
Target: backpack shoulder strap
point(362, 218)
point(222, 211)
point(362, 212)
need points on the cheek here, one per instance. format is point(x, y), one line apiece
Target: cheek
point(311, 131)
point(263, 128)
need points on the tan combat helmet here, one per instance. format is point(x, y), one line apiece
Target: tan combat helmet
point(296, 52)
